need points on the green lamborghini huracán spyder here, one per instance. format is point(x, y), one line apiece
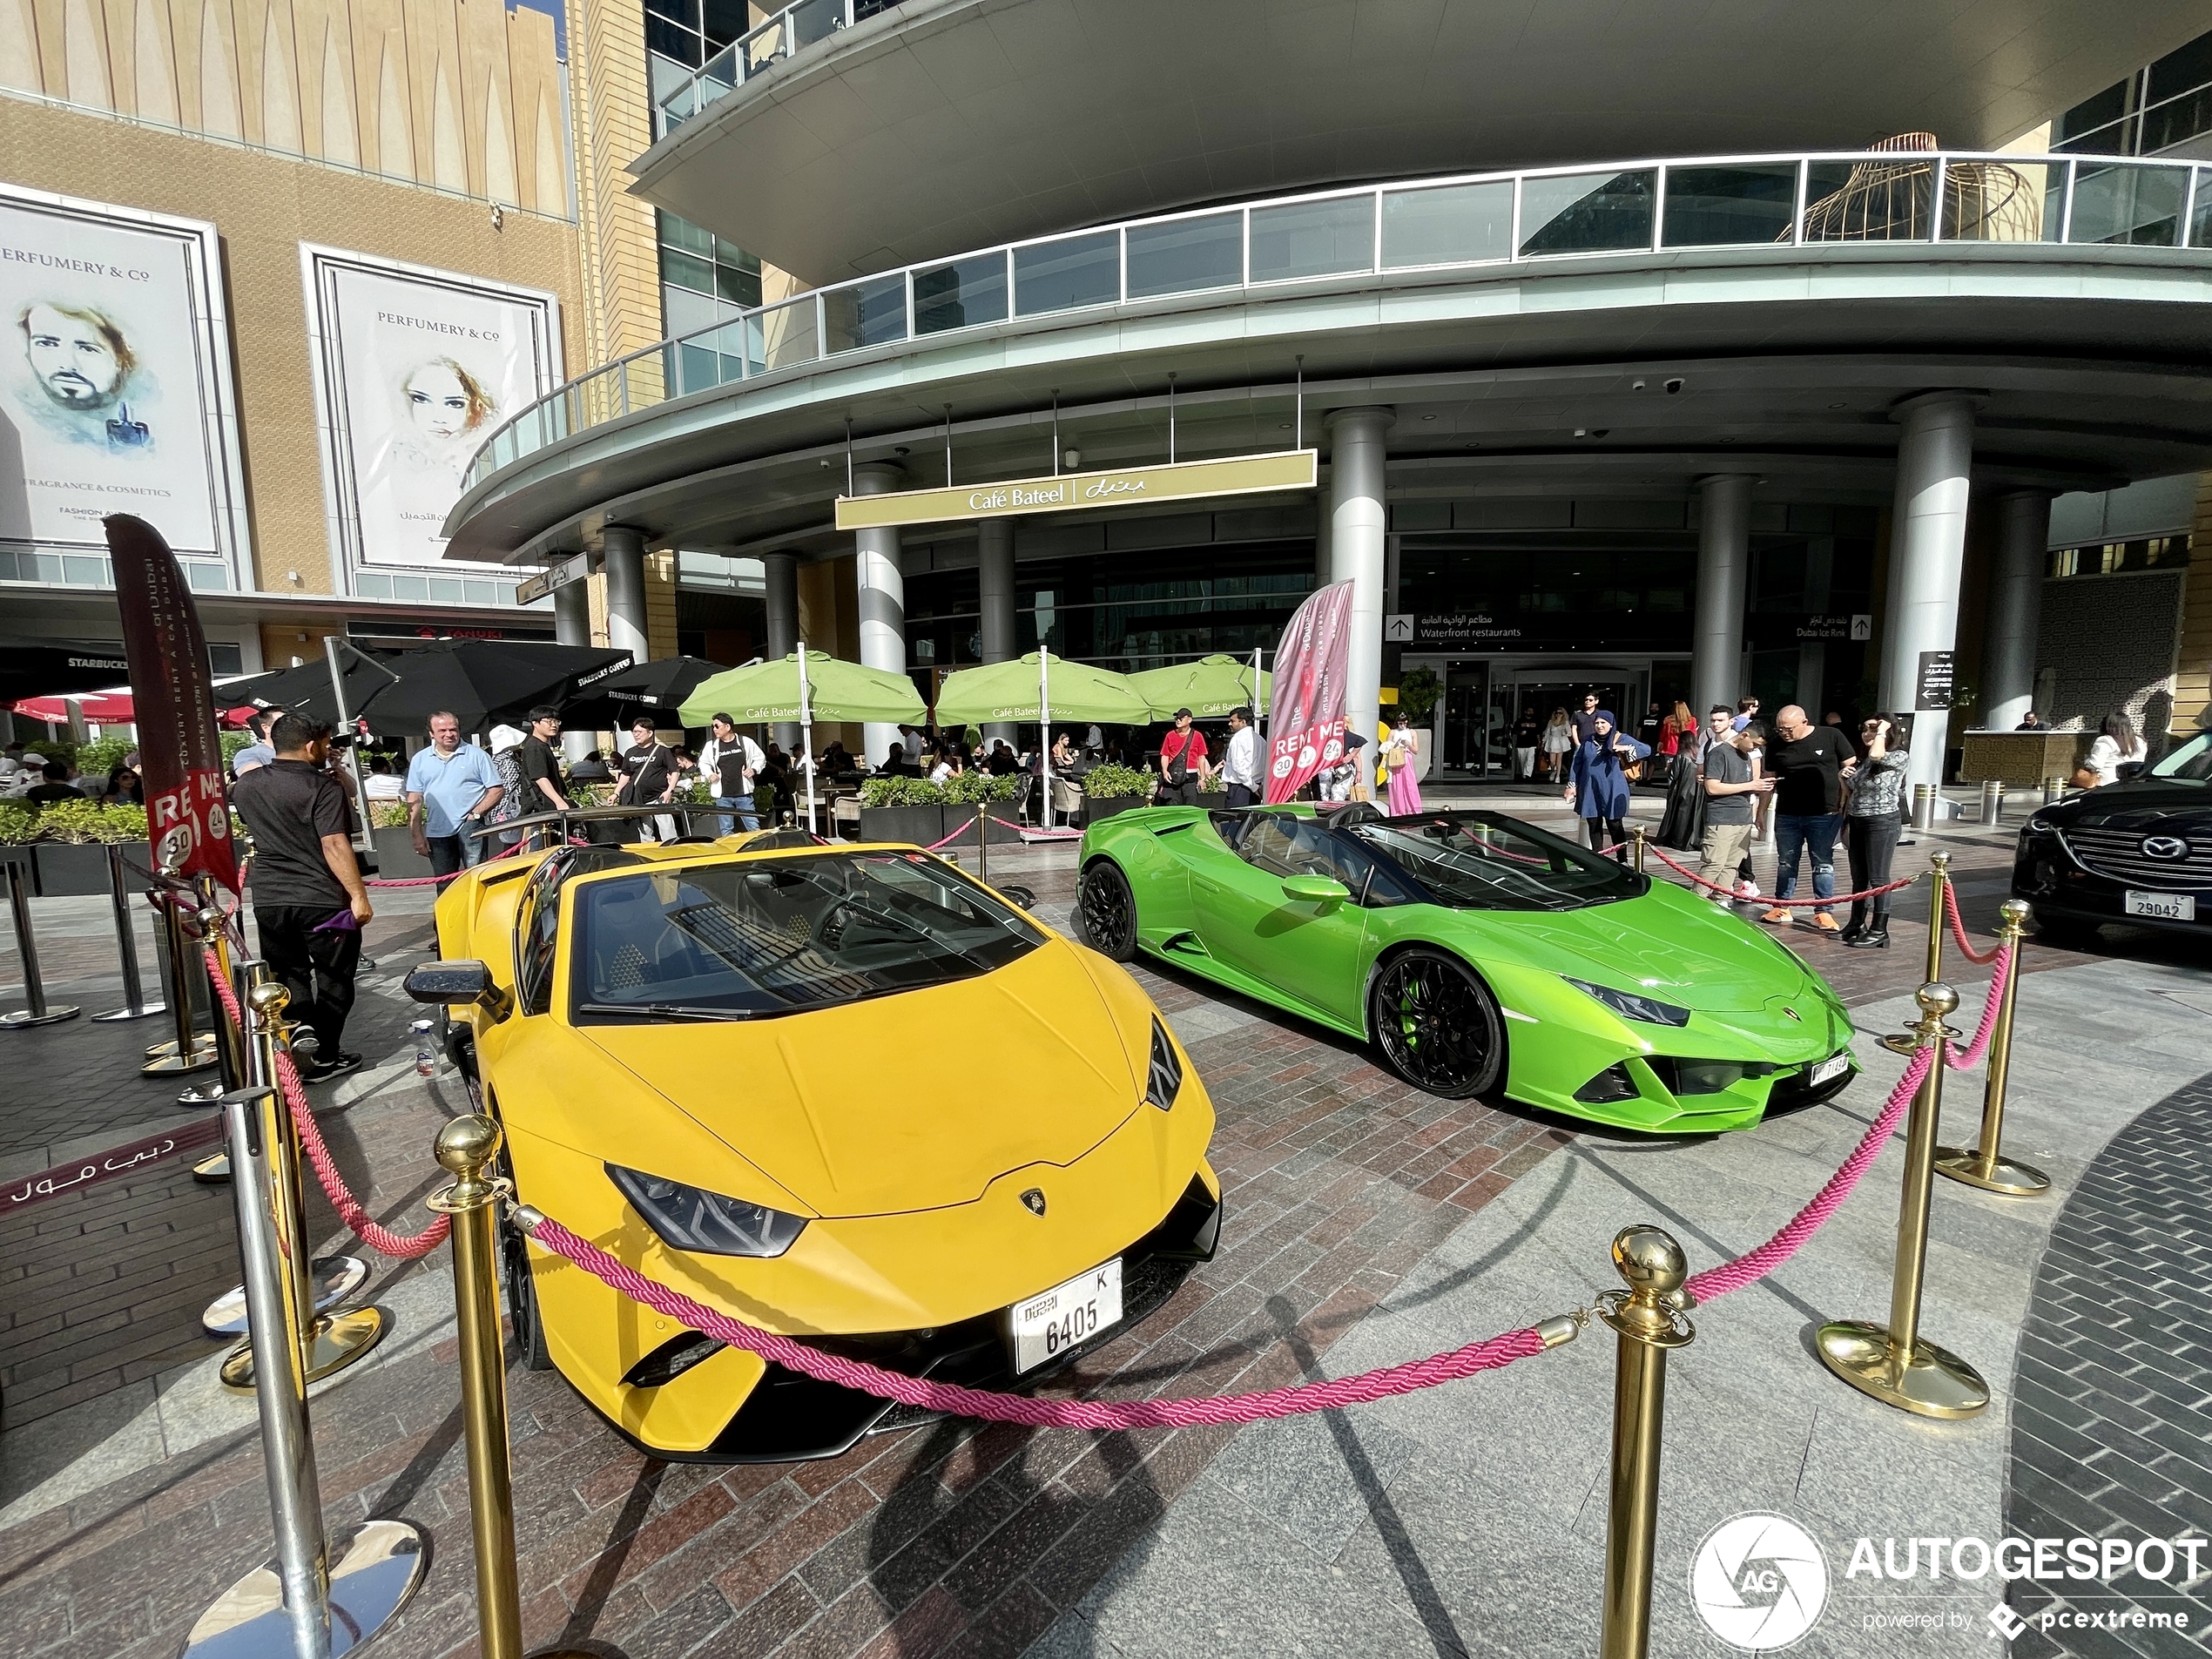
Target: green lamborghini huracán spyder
point(1480, 954)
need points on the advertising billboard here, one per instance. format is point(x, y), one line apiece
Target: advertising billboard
point(414, 368)
point(116, 391)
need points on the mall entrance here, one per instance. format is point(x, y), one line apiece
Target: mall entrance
point(1484, 698)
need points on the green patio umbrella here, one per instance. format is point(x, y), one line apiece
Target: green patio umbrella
point(1040, 687)
point(1208, 688)
point(803, 687)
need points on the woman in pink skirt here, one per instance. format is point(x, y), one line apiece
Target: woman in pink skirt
point(1401, 755)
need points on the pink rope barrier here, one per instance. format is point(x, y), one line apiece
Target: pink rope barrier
point(1840, 898)
point(961, 1401)
point(1971, 1055)
point(364, 1225)
point(1959, 928)
point(1755, 1264)
point(1038, 834)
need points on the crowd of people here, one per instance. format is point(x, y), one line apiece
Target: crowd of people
point(30, 775)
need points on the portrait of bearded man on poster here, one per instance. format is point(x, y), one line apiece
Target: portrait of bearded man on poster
point(83, 364)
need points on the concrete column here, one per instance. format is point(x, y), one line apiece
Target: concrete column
point(1927, 547)
point(882, 599)
point(1358, 461)
point(2015, 609)
point(1724, 572)
point(782, 572)
point(625, 555)
point(1324, 556)
point(1813, 655)
point(572, 626)
point(994, 581)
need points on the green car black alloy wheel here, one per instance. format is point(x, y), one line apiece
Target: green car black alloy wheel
point(1108, 912)
point(1437, 1024)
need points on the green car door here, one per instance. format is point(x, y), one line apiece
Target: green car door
point(1313, 950)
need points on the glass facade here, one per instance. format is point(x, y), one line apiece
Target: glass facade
point(704, 279)
point(2162, 108)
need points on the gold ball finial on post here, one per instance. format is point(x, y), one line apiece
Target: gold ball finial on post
point(466, 1146)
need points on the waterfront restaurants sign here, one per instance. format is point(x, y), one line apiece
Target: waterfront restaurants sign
point(1075, 491)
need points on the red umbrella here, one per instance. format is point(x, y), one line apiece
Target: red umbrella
point(102, 708)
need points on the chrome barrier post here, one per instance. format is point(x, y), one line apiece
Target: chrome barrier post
point(193, 1050)
point(135, 1006)
point(1993, 803)
point(1893, 1362)
point(230, 1042)
point(286, 1608)
point(467, 1147)
point(327, 1343)
point(1647, 1318)
point(1982, 1166)
point(34, 985)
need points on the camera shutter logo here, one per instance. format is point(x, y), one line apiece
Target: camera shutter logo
point(1759, 1581)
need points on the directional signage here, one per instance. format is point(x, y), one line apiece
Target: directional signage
point(1077, 492)
point(1933, 685)
point(558, 576)
point(1398, 628)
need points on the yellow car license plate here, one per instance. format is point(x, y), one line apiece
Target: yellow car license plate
point(1046, 1327)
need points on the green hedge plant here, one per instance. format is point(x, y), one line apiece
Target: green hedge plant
point(19, 823)
point(900, 791)
point(1117, 783)
point(71, 823)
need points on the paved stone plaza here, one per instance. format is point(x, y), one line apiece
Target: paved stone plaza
point(1366, 1225)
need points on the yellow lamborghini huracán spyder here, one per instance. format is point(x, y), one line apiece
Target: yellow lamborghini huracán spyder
point(750, 1070)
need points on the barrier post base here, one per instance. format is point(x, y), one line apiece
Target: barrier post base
point(26, 1017)
point(337, 1340)
point(334, 1279)
point(202, 1057)
point(1934, 1383)
point(132, 1013)
point(213, 1171)
point(2002, 1176)
point(374, 1568)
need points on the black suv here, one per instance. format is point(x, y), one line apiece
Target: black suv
point(2138, 851)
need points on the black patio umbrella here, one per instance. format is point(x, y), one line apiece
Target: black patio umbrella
point(659, 688)
point(56, 667)
point(306, 689)
point(484, 682)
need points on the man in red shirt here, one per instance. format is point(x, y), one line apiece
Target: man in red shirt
point(1182, 763)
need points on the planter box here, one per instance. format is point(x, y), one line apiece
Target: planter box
point(23, 856)
point(920, 825)
point(65, 870)
point(1097, 812)
point(395, 854)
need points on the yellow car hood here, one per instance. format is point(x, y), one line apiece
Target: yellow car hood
point(913, 1101)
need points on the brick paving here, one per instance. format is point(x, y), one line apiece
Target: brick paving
point(942, 1539)
point(2112, 1408)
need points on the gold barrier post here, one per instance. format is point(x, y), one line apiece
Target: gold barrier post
point(1982, 1166)
point(467, 1147)
point(1648, 1320)
point(1894, 1363)
point(1939, 887)
point(1635, 848)
point(982, 858)
point(330, 1341)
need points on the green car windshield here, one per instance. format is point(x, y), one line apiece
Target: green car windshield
point(1486, 861)
point(760, 937)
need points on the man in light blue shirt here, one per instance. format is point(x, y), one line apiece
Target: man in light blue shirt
point(451, 787)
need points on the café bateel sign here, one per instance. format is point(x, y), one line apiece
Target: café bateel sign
point(1077, 491)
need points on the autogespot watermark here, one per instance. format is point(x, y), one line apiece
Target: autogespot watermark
point(1760, 1581)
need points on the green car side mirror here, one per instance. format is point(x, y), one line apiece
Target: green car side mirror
point(1317, 889)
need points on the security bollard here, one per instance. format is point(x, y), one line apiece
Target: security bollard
point(1636, 848)
point(1924, 798)
point(467, 1147)
point(335, 1339)
point(1993, 803)
point(1983, 1166)
point(193, 1050)
point(313, 1588)
point(1648, 1320)
point(34, 985)
point(2055, 790)
point(1894, 1363)
point(135, 1006)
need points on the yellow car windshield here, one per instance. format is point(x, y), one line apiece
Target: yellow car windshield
point(757, 938)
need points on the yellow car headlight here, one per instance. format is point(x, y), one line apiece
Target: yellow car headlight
point(692, 1218)
point(1164, 1078)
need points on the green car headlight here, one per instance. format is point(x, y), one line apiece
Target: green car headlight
point(1646, 1010)
point(1163, 1076)
point(692, 1218)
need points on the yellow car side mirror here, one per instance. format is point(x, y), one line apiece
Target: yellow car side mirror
point(466, 981)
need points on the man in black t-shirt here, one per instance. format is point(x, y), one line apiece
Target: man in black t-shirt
point(1807, 763)
point(544, 790)
point(309, 904)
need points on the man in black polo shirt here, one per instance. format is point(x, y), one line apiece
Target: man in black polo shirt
point(308, 901)
point(1807, 763)
point(543, 788)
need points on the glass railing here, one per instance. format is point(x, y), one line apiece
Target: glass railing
point(1800, 204)
point(792, 30)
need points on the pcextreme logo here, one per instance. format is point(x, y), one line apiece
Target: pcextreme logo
point(1759, 1581)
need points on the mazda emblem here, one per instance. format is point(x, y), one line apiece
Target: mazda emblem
point(1034, 1198)
point(2168, 847)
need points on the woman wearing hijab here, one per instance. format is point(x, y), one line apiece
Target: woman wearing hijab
point(1596, 783)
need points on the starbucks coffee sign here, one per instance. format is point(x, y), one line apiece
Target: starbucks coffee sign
point(1075, 491)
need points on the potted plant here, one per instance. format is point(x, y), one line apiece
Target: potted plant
point(19, 823)
point(1109, 790)
point(71, 848)
point(903, 809)
point(993, 793)
point(395, 854)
